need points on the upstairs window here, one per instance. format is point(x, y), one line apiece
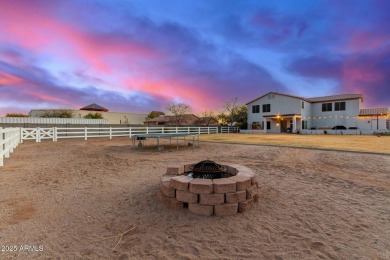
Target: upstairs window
point(266, 108)
point(326, 107)
point(256, 109)
point(339, 106)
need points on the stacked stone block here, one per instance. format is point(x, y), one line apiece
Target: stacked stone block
point(220, 197)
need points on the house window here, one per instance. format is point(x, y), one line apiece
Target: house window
point(268, 125)
point(303, 105)
point(326, 107)
point(256, 109)
point(304, 124)
point(266, 108)
point(339, 106)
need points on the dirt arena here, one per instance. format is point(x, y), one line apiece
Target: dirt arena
point(96, 199)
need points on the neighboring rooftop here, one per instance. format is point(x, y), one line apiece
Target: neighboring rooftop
point(374, 111)
point(167, 118)
point(94, 107)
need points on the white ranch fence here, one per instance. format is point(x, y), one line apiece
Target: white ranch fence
point(9, 140)
point(55, 133)
point(11, 137)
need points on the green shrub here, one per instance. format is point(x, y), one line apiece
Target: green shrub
point(93, 116)
point(16, 115)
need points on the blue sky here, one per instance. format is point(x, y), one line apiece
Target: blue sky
point(138, 56)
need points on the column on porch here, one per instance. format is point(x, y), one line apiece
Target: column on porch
point(294, 120)
point(265, 124)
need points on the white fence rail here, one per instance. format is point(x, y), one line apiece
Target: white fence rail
point(9, 140)
point(61, 121)
point(56, 133)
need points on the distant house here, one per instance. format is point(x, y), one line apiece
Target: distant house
point(207, 121)
point(276, 113)
point(187, 119)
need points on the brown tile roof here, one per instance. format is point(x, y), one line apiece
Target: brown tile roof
point(335, 98)
point(166, 118)
point(374, 111)
point(206, 120)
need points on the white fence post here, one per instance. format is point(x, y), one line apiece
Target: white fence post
point(6, 145)
point(110, 132)
point(198, 130)
point(129, 132)
point(85, 133)
point(54, 133)
point(37, 134)
point(11, 141)
point(1, 148)
point(147, 130)
point(21, 135)
point(176, 130)
point(208, 130)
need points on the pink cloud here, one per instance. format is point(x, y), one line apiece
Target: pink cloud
point(365, 41)
point(8, 79)
point(33, 27)
point(172, 89)
point(29, 89)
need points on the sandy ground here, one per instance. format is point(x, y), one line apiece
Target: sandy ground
point(360, 143)
point(71, 198)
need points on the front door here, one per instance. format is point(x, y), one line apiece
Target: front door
point(283, 126)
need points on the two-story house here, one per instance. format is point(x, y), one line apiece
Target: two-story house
point(277, 113)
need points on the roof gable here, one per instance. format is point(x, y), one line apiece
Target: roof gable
point(276, 93)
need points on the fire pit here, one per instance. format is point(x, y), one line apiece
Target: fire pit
point(208, 188)
point(209, 170)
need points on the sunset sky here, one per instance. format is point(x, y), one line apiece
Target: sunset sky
point(137, 56)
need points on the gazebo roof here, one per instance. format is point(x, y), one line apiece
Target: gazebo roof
point(94, 107)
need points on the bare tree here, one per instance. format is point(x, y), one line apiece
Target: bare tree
point(207, 117)
point(179, 110)
point(230, 107)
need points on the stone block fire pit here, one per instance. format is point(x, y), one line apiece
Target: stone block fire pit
point(208, 188)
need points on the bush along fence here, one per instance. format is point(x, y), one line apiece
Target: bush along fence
point(9, 140)
point(11, 137)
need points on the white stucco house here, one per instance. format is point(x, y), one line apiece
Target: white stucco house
point(278, 113)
